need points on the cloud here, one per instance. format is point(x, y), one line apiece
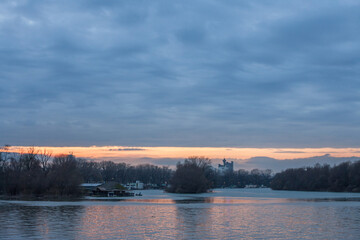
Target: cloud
point(279, 165)
point(171, 162)
point(260, 162)
point(289, 152)
point(127, 149)
point(168, 162)
point(250, 74)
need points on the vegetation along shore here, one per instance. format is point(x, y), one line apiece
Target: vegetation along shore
point(36, 174)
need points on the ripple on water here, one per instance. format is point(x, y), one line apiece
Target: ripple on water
point(223, 215)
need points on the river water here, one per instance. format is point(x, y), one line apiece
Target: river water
point(222, 214)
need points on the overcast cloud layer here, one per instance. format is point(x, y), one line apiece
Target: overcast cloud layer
point(185, 73)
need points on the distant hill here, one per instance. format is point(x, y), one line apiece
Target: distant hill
point(278, 165)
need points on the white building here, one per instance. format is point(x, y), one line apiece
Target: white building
point(135, 186)
point(226, 167)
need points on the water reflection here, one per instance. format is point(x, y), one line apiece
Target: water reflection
point(192, 222)
point(200, 200)
point(127, 222)
point(158, 200)
point(38, 221)
point(324, 199)
point(226, 215)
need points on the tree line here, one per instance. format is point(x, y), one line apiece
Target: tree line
point(37, 172)
point(195, 175)
point(242, 177)
point(105, 171)
point(33, 173)
point(344, 177)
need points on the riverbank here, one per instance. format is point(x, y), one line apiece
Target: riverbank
point(25, 197)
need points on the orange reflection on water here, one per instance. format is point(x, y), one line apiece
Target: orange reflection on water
point(127, 221)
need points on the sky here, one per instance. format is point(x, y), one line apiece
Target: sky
point(276, 159)
point(221, 74)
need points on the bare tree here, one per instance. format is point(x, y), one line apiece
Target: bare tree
point(4, 153)
point(64, 175)
point(202, 162)
point(44, 157)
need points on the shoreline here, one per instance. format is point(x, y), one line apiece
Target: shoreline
point(41, 198)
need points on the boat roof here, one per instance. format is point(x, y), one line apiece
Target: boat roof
point(90, 184)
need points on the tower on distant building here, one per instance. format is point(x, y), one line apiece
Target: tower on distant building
point(226, 166)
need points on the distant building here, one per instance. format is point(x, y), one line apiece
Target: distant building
point(251, 186)
point(139, 185)
point(90, 186)
point(226, 166)
point(134, 186)
point(111, 189)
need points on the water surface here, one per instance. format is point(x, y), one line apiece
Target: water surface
point(223, 214)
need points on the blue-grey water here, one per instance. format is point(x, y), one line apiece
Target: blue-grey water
point(223, 214)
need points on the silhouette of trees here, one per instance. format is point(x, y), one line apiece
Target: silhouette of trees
point(44, 157)
point(354, 177)
point(191, 176)
point(123, 173)
point(242, 177)
point(64, 175)
point(36, 172)
point(3, 164)
point(89, 170)
point(22, 173)
point(340, 178)
point(32, 173)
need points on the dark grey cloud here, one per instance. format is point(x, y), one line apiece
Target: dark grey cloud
point(159, 73)
point(127, 149)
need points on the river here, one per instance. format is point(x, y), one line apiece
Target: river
point(222, 214)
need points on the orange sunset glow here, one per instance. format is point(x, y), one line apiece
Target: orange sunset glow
point(121, 152)
point(179, 119)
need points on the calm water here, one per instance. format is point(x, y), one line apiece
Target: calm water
point(223, 214)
